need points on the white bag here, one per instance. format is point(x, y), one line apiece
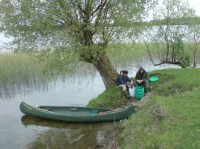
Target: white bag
point(132, 92)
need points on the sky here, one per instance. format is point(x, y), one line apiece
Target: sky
point(193, 3)
point(196, 5)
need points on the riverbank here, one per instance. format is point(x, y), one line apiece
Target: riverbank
point(170, 118)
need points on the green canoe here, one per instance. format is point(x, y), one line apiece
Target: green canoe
point(76, 114)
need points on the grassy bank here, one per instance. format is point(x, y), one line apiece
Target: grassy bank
point(170, 118)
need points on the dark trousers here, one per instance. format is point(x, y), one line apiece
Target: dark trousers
point(144, 84)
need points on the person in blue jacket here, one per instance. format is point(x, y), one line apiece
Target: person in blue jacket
point(124, 82)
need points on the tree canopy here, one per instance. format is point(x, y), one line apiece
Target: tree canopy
point(52, 23)
point(81, 26)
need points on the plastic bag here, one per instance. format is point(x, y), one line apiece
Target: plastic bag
point(132, 92)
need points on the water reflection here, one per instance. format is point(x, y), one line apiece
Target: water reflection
point(12, 88)
point(61, 135)
point(86, 76)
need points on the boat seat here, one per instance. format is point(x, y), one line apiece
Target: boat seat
point(73, 109)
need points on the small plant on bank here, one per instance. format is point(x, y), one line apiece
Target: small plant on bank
point(184, 60)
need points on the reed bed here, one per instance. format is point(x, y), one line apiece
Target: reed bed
point(124, 54)
point(17, 71)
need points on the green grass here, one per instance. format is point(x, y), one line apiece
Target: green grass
point(179, 127)
point(170, 118)
point(111, 98)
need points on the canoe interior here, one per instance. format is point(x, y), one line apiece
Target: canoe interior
point(74, 111)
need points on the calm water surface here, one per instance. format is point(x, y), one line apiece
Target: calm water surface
point(21, 132)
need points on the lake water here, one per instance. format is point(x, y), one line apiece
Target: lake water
point(21, 132)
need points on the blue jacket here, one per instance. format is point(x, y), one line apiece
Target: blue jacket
point(121, 79)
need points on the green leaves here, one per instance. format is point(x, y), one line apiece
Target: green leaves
point(57, 62)
point(184, 60)
point(68, 19)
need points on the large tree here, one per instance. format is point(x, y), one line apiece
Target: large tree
point(84, 26)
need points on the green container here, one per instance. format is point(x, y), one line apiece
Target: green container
point(154, 78)
point(139, 92)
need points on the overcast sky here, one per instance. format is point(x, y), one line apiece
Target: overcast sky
point(193, 3)
point(196, 5)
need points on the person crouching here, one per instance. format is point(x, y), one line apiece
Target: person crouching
point(142, 78)
point(124, 82)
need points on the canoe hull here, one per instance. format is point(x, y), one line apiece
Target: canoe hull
point(76, 114)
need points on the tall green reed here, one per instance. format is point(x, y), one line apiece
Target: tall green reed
point(18, 71)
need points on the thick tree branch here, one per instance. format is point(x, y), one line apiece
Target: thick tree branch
point(167, 62)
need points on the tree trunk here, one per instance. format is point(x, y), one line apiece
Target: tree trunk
point(106, 70)
point(194, 59)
